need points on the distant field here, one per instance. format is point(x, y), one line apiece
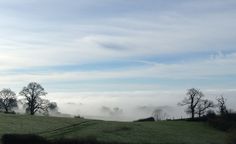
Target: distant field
point(164, 132)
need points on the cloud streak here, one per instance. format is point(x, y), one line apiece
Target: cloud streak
point(149, 45)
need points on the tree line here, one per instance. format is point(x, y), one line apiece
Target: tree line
point(32, 101)
point(198, 105)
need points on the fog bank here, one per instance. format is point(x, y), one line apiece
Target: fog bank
point(129, 106)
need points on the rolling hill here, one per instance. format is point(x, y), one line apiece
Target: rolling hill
point(163, 132)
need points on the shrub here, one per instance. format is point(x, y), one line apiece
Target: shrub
point(224, 123)
point(23, 139)
point(78, 116)
point(221, 123)
point(232, 116)
point(211, 114)
point(146, 119)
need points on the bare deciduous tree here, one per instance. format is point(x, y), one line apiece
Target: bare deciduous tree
point(159, 114)
point(7, 99)
point(194, 96)
point(202, 106)
point(221, 105)
point(32, 93)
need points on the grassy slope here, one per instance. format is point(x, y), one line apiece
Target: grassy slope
point(168, 132)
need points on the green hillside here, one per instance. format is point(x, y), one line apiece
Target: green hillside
point(164, 132)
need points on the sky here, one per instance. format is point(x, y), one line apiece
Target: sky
point(94, 56)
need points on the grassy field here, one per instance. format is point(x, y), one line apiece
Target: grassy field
point(164, 132)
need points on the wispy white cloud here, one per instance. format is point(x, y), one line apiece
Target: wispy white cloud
point(25, 42)
point(212, 68)
point(45, 34)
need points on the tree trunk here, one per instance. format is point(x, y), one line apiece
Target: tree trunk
point(192, 113)
point(199, 114)
point(6, 109)
point(31, 112)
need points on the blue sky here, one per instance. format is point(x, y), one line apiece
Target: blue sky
point(109, 46)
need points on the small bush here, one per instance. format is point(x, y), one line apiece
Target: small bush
point(145, 120)
point(224, 123)
point(232, 116)
point(23, 139)
point(78, 116)
point(221, 123)
point(198, 119)
point(211, 114)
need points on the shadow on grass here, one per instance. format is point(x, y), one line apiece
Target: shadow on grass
point(35, 139)
point(23, 139)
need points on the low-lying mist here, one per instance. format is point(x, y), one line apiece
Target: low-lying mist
point(126, 106)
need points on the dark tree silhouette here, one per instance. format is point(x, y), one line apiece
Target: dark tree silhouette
point(159, 114)
point(202, 107)
point(7, 99)
point(52, 106)
point(32, 93)
point(222, 106)
point(194, 96)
